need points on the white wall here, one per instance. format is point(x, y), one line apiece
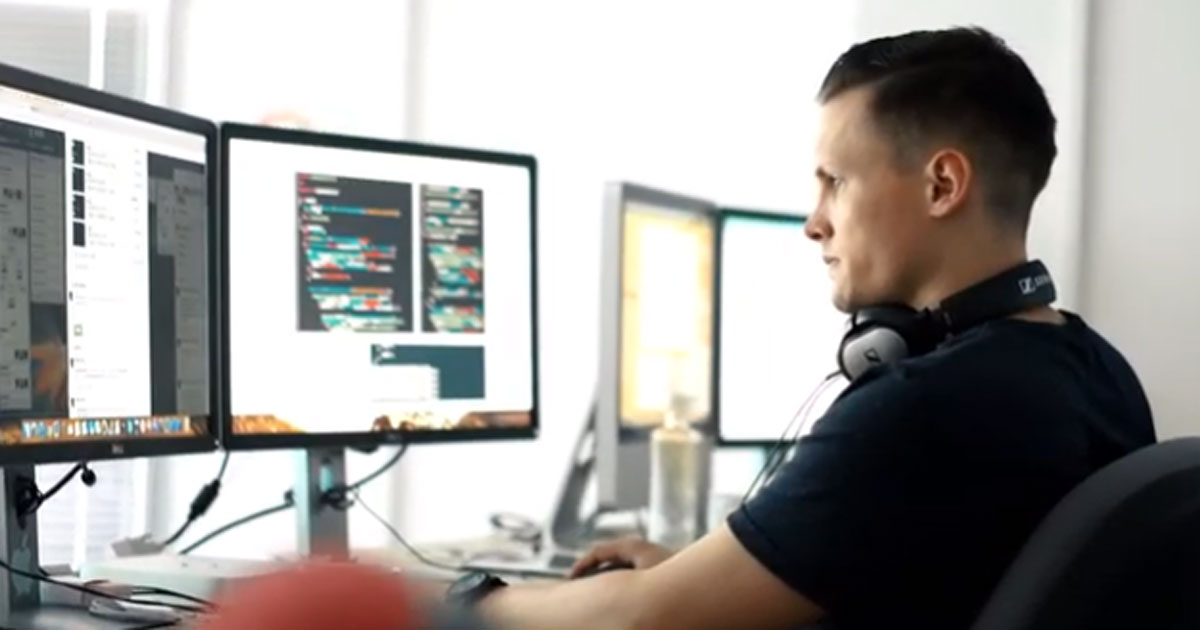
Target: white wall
point(1142, 280)
point(343, 64)
point(713, 99)
point(1051, 37)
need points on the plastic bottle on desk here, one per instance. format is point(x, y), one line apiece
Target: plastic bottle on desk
point(680, 458)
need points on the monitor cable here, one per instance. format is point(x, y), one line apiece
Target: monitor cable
point(204, 500)
point(95, 592)
point(28, 497)
point(156, 625)
point(287, 504)
point(166, 592)
point(422, 558)
point(400, 539)
point(778, 452)
point(338, 497)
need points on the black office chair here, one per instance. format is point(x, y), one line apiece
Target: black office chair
point(1122, 550)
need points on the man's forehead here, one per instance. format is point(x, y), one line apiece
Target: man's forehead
point(847, 109)
point(840, 117)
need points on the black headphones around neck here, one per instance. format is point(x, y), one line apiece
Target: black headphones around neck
point(884, 334)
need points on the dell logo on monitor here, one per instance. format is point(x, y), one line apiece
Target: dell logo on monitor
point(118, 449)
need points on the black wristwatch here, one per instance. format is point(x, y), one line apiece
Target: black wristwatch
point(467, 590)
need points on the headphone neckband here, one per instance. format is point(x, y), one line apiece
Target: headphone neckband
point(1020, 288)
point(885, 333)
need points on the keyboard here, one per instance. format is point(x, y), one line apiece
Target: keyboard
point(557, 565)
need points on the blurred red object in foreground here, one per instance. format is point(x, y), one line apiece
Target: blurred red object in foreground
point(321, 596)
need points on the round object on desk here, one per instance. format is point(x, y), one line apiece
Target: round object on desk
point(320, 596)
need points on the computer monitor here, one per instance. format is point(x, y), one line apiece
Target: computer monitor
point(106, 275)
point(107, 340)
point(655, 330)
point(376, 291)
point(777, 331)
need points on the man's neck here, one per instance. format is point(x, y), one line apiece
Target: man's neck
point(1041, 315)
point(962, 274)
point(973, 270)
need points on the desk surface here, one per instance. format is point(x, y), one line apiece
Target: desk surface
point(64, 618)
point(426, 579)
point(449, 553)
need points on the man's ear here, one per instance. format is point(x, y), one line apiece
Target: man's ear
point(949, 178)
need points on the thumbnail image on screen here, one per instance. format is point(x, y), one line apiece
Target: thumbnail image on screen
point(452, 258)
point(389, 247)
point(355, 254)
point(104, 330)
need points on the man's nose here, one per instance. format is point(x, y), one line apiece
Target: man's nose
point(817, 226)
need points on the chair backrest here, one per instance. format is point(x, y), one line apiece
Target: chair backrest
point(1122, 550)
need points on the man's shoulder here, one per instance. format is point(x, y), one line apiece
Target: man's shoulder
point(1008, 369)
point(1006, 353)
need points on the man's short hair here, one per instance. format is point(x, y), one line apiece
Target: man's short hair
point(965, 86)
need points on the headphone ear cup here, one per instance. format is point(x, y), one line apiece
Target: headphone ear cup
point(879, 335)
point(868, 347)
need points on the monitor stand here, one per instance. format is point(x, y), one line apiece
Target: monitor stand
point(566, 536)
point(322, 531)
point(568, 526)
point(21, 597)
point(18, 546)
point(571, 529)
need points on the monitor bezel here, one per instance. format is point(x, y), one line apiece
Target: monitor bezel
point(724, 214)
point(366, 439)
point(621, 193)
point(65, 452)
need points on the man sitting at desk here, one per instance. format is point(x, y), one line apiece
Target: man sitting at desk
point(918, 487)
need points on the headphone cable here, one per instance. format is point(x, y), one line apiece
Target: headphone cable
point(802, 413)
point(805, 423)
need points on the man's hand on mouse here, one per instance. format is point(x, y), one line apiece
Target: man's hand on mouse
point(633, 551)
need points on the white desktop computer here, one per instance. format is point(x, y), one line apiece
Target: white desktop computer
point(656, 330)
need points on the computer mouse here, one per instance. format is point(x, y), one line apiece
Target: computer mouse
point(604, 567)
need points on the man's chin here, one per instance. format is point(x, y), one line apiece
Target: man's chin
point(843, 303)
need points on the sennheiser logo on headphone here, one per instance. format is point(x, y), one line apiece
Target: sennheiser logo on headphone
point(872, 356)
point(1030, 284)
